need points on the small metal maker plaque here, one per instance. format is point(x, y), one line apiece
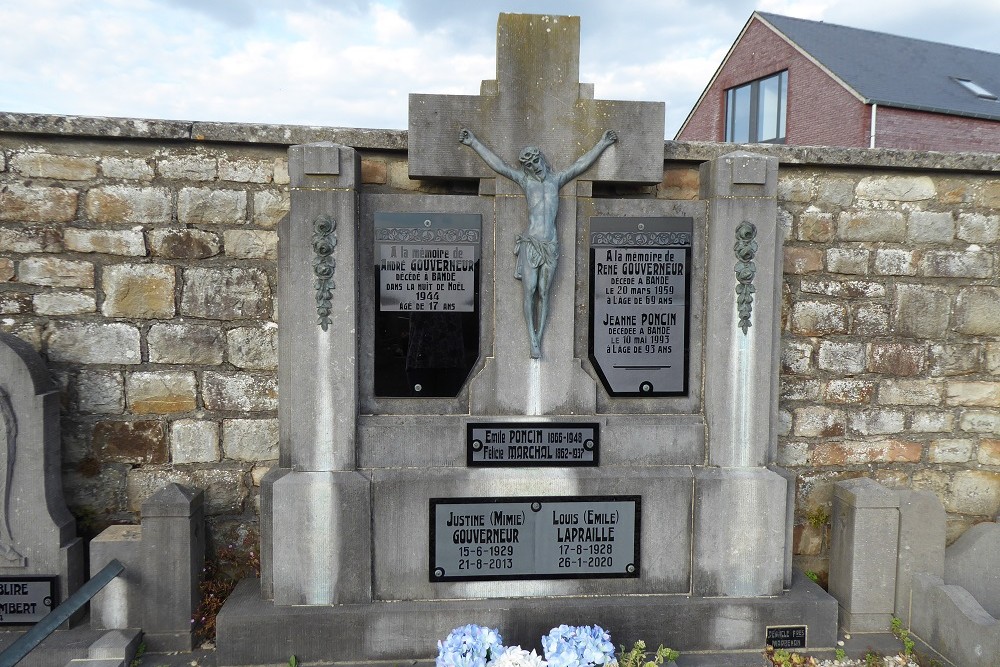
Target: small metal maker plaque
point(512, 444)
point(548, 537)
point(639, 304)
point(25, 599)
point(786, 636)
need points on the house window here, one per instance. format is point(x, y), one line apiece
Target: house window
point(976, 89)
point(755, 112)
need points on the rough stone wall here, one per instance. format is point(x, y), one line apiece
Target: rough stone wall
point(142, 264)
point(144, 268)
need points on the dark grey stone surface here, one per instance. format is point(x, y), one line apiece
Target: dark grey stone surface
point(973, 562)
point(922, 536)
point(252, 632)
point(173, 555)
point(739, 532)
point(863, 550)
point(950, 619)
point(321, 540)
point(119, 604)
point(37, 534)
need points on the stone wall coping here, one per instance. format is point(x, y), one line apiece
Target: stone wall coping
point(396, 140)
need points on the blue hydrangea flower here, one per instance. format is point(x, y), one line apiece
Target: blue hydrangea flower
point(578, 646)
point(469, 646)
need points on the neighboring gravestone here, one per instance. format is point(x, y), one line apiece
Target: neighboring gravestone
point(443, 461)
point(41, 558)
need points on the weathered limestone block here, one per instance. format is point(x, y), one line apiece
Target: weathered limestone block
point(30, 239)
point(224, 484)
point(921, 312)
point(194, 441)
point(954, 359)
point(989, 452)
point(226, 293)
point(849, 261)
point(950, 450)
point(978, 228)
point(845, 358)
point(897, 359)
point(975, 492)
point(94, 343)
point(55, 272)
point(138, 290)
point(871, 225)
point(126, 204)
point(134, 169)
point(243, 392)
point(61, 167)
point(189, 167)
point(161, 392)
point(895, 262)
point(63, 303)
point(818, 318)
point(818, 421)
point(250, 439)
point(932, 422)
point(204, 206)
point(878, 421)
point(185, 344)
point(253, 348)
point(183, 243)
point(930, 227)
point(19, 203)
point(245, 171)
point(126, 242)
point(270, 207)
point(909, 392)
point(976, 310)
point(976, 394)
point(870, 320)
point(980, 421)
point(140, 441)
point(250, 244)
point(954, 264)
point(896, 188)
point(99, 392)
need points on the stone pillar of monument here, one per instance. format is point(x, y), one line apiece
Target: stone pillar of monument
point(316, 532)
point(744, 555)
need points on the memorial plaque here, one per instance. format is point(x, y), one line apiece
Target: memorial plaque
point(427, 321)
point(512, 444)
point(639, 291)
point(786, 636)
point(553, 537)
point(26, 599)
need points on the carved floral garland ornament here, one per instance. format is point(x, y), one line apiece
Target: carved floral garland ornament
point(324, 241)
point(745, 249)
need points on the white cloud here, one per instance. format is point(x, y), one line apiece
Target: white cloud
point(353, 62)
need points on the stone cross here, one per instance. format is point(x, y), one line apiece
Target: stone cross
point(536, 100)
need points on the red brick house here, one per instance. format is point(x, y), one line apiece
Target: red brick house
point(810, 83)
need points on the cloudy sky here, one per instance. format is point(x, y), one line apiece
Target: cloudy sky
point(352, 62)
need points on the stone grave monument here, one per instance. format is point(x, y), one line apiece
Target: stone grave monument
point(41, 557)
point(542, 403)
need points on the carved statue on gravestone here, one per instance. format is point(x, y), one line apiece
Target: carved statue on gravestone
point(8, 432)
point(537, 249)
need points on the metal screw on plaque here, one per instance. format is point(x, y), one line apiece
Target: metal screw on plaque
point(588, 445)
point(477, 445)
point(641, 226)
point(536, 507)
point(646, 387)
point(418, 387)
point(630, 568)
point(427, 223)
point(438, 572)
